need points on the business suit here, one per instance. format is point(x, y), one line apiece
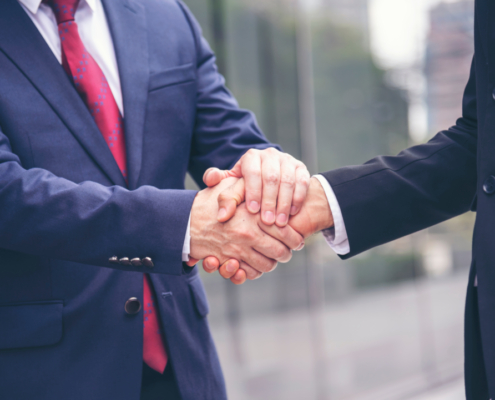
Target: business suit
point(67, 210)
point(390, 197)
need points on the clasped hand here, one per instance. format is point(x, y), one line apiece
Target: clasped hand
point(252, 216)
point(244, 238)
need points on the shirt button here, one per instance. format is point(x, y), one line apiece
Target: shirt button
point(132, 306)
point(489, 185)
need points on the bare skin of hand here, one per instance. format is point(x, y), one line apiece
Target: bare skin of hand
point(245, 238)
point(314, 216)
point(276, 184)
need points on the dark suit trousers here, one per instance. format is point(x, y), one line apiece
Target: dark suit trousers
point(156, 386)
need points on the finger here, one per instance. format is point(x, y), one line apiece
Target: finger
point(229, 269)
point(273, 249)
point(210, 264)
point(213, 176)
point(250, 272)
point(229, 199)
point(192, 262)
point(270, 171)
point(301, 190)
point(286, 191)
point(239, 278)
point(251, 171)
point(287, 235)
point(258, 262)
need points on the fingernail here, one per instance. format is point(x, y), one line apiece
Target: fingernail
point(230, 267)
point(293, 210)
point(301, 246)
point(269, 217)
point(254, 206)
point(281, 219)
point(222, 213)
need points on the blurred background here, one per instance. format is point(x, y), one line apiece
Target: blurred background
point(336, 82)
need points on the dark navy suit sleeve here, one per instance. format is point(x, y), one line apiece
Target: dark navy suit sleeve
point(390, 197)
point(223, 132)
point(52, 217)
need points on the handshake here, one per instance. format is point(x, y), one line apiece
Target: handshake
point(253, 216)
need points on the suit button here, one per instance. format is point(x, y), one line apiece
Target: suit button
point(136, 262)
point(489, 185)
point(113, 260)
point(132, 306)
point(147, 262)
point(493, 94)
point(124, 261)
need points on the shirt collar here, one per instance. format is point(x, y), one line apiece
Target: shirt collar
point(34, 5)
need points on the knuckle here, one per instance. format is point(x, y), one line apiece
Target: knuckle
point(303, 181)
point(283, 206)
point(288, 179)
point(272, 265)
point(281, 253)
point(257, 275)
point(251, 152)
point(254, 173)
point(297, 199)
point(269, 204)
point(253, 274)
point(246, 233)
point(265, 266)
point(272, 179)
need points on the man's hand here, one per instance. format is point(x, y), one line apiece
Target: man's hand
point(315, 216)
point(245, 238)
point(275, 182)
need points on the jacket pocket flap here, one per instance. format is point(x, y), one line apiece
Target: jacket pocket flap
point(172, 76)
point(199, 296)
point(30, 324)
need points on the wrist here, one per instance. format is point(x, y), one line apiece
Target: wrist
point(321, 213)
point(196, 227)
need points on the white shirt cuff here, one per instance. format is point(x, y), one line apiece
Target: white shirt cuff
point(336, 236)
point(186, 249)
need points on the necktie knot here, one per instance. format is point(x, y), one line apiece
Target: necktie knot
point(64, 10)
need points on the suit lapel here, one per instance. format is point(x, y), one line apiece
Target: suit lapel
point(127, 21)
point(24, 45)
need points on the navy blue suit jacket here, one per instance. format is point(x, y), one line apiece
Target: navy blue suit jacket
point(390, 197)
point(65, 208)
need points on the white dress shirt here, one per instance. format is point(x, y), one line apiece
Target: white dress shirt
point(95, 34)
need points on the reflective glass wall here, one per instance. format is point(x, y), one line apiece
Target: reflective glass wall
point(336, 82)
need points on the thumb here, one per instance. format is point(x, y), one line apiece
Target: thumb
point(229, 199)
point(213, 176)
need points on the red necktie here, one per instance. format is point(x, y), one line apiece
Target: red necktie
point(92, 86)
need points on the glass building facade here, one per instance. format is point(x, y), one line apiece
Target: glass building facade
point(386, 324)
